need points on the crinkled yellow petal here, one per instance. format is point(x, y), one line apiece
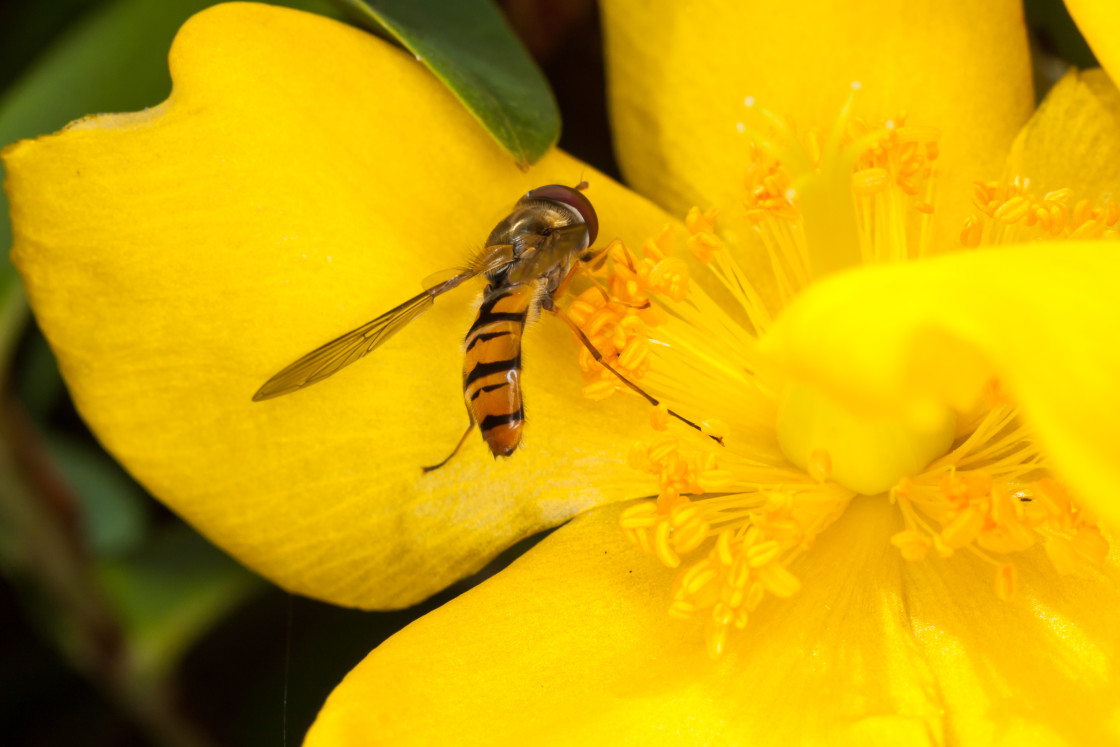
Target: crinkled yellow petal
point(303, 178)
point(679, 73)
point(571, 645)
point(1039, 669)
point(1099, 23)
point(1041, 319)
point(1073, 140)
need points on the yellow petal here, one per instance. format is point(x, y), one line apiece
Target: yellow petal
point(679, 73)
point(1038, 669)
point(1099, 23)
point(1073, 140)
point(303, 178)
point(1042, 319)
point(571, 645)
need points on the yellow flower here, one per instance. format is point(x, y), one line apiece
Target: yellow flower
point(302, 174)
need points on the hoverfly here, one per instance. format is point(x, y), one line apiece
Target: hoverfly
point(529, 258)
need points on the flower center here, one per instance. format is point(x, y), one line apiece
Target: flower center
point(735, 519)
point(869, 456)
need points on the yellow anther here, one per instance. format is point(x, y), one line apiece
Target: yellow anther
point(599, 389)
point(723, 547)
point(740, 573)
point(670, 276)
point(1059, 216)
point(923, 207)
point(716, 479)
point(819, 465)
point(620, 338)
point(733, 597)
point(1061, 555)
point(638, 457)
point(1111, 213)
point(1090, 229)
point(762, 553)
point(943, 550)
point(1012, 210)
point(639, 516)
point(1006, 578)
point(703, 245)
point(1081, 212)
point(1006, 539)
point(682, 610)
point(661, 546)
point(908, 185)
point(778, 580)
point(754, 595)
point(670, 498)
point(689, 537)
point(1090, 545)
point(662, 448)
point(981, 195)
point(580, 312)
point(870, 181)
point(636, 352)
point(912, 544)
point(683, 515)
point(697, 577)
point(963, 529)
point(722, 614)
point(715, 639)
point(659, 417)
point(698, 221)
point(972, 232)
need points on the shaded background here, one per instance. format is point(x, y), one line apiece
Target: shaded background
point(119, 625)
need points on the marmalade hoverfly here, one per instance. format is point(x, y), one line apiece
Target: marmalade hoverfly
point(529, 258)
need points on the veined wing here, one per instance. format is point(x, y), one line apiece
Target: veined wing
point(342, 351)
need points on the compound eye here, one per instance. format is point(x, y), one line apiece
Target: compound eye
point(572, 198)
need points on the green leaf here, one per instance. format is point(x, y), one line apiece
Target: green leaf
point(113, 508)
point(470, 47)
point(170, 594)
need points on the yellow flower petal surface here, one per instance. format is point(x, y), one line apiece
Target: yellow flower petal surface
point(1040, 319)
point(1073, 140)
point(570, 646)
point(679, 73)
point(303, 178)
point(1099, 23)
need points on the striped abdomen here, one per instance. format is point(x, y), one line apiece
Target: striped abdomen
point(492, 366)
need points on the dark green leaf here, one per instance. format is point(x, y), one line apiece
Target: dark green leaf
point(113, 507)
point(470, 47)
point(171, 593)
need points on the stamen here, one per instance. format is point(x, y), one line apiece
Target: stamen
point(1010, 213)
point(733, 519)
point(982, 497)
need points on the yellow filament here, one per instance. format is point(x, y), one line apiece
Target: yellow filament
point(731, 519)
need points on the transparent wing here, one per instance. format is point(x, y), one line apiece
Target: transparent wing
point(342, 351)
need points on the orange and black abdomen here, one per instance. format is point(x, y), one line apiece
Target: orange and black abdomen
point(492, 366)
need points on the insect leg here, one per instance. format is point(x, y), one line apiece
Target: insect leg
point(454, 451)
point(599, 359)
